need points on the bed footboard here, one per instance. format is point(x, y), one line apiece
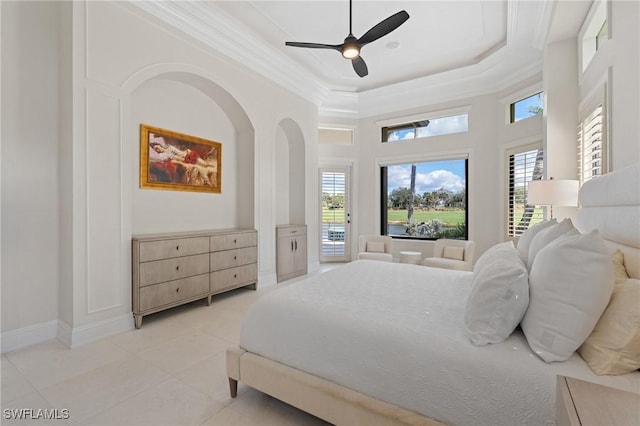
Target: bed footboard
point(233, 369)
point(321, 398)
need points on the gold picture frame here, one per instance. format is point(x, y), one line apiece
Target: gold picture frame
point(177, 162)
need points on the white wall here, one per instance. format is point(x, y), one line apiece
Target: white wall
point(487, 137)
point(178, 107)
point(618, 63)
point(29, 164)
point(140, 73)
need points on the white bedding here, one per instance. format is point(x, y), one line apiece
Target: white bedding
point(396, 332)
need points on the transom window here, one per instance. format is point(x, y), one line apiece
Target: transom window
point(425, 128)
point(426, 200)
point(527, 107)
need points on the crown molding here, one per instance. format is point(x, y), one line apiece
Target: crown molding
point(222, 33)
point(499, 69)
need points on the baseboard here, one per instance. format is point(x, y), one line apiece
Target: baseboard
point(72, 337)
point(266, 279)
point(82, 335)
point(27, 336)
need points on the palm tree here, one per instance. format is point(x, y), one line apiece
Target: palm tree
point(412, 194)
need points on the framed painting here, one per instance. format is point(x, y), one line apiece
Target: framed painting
point(178, 162)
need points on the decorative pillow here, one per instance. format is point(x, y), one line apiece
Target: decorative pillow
point(499, 295)
point(375, 247)
point(456, 253)
point(524, 242)
point(614, 345)
point(547, 235)
point(617, 257)
point(570, 285)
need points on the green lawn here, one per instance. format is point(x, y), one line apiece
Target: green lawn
point(449, 218)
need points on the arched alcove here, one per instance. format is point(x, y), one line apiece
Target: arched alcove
point(290, 173)
point(189, 103)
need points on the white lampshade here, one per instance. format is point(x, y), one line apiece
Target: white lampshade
point(553, 192)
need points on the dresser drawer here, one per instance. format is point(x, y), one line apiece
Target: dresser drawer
point(283, 231)
point(231, 258)
point(172, 269)
point(155, 250)
point(157, 295)
point(233, 277)
point(233, 241)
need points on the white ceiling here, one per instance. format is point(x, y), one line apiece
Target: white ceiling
point(437, 37)
point(446, 48)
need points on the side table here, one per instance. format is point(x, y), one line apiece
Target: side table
point(413, 257)
point(584, 403)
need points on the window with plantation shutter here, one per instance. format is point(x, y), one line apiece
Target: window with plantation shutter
point(592, 145)
point(524, 164)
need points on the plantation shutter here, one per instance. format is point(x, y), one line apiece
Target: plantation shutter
point(522, 170)
point(591, 145)
point(334, 219)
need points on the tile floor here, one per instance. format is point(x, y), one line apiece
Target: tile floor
point(169, 372)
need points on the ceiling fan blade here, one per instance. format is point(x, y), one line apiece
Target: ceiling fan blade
point(314, 45)
point(360, 66)
point(384, 27)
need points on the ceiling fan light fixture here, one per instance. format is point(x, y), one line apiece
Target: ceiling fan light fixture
point(351, 51)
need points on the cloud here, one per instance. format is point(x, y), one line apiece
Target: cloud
point(445, 125)
point(400, 176)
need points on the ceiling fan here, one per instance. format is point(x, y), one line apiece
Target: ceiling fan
point(350, 49)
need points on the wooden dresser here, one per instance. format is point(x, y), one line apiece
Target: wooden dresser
point(172, 269)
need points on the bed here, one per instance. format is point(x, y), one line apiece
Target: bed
point(385, 343)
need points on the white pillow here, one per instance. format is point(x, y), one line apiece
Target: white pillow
point(375, 247)
point(570, 285)
point(524, 242)
point(547, 235)
point(499, 295)
point(455, 253)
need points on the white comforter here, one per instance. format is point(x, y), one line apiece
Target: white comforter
point(396, 332)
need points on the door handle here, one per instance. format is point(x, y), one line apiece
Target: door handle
point(291, 245)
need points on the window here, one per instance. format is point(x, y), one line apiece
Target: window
point(594, 33)
point(425, 200)
point(426, 128)
point(592, 161)
point(525, 108)
point(328, 136)
point(524, 165)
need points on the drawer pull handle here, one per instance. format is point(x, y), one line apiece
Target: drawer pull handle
point(178, 268)
point(235, 257)
point(235, 275)
point(177, 247)
point(235, 241)
point(178, 290)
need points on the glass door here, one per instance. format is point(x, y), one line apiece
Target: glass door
point(334, 235)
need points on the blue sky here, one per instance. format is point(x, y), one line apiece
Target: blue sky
point(522, 107)
point(430, 176)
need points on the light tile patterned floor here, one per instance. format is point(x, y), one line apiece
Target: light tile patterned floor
point(169, 372)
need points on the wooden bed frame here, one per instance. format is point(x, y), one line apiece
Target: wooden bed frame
point(324, 399)
point(340, 405)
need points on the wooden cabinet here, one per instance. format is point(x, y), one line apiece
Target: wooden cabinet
point(580, 403)
point(291, 251)
point(172, 269)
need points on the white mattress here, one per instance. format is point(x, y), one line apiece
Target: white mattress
point(395, 332)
